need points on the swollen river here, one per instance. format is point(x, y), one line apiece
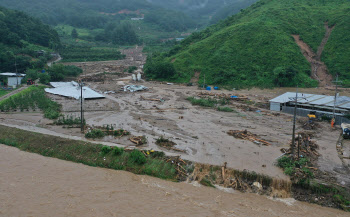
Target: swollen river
point(33, 185)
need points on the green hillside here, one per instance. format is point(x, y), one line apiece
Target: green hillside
point(255, 47)
point(20, 37)
point(205, 11)
point(93, 14)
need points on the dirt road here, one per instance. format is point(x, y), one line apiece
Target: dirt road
point(33, 185)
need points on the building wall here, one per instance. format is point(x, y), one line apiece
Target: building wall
point(304, 112)
point(275, 106)
point(12, 81)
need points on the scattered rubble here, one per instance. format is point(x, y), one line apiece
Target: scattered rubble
point(309, 124)
point(138, 140)
point(222, 96)
point(134, 88)
point(166, 143)
point(246, 135)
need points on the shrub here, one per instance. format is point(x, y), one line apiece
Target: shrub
point(137, 157)
point(225, 109)
point(52, 114)
point(131, 69)
point(95, 133)
point(202, 102)
point(106, 149)
point(117, 151)
point(206, 182)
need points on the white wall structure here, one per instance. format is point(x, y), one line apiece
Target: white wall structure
point(13, 79)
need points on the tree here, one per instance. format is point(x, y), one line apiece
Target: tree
point(159, 69)
point(74, 33)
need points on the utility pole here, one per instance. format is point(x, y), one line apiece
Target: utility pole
point(16, 69)
point(335, 95)
point(294, 119)
point(81, 107)
point(204, 81)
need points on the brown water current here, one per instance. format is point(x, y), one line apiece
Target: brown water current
point(33, 185)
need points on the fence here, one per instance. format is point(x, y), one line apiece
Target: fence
point(304, 112)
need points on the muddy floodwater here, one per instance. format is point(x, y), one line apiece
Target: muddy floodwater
point(33, 185)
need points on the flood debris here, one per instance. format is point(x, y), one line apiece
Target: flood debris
point(134, 88)
point(222, 96)
point(309, 124)
point(304, 145)
point(180, 166)
point(151, 99)
point(138, 140)
point(246, 135)
point(168, 144)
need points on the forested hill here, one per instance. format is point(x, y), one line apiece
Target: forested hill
point(94, 14)
point(210, 10)
point(256, 46)
point(16, 26)
point(20, 36)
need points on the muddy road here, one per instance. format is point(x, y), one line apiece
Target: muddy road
point(33, 185)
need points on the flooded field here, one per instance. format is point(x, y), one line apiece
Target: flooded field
point(33, 185)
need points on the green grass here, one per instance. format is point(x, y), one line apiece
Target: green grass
point(255, 47)
point(4, 92)
point(87, 153)
point(203, 102)
point(88, 53)
point(33, 97)
point(225, 109)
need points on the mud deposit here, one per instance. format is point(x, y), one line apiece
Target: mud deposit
point(33, 185)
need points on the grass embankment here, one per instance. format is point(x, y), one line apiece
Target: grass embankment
point(255, 47)
point(88, 153)
point(4, 92)
point(31, 98)
point(305, 187)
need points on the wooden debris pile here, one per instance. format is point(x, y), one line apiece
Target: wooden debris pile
point(138, 140)
point(151, 99)
point(179, 166)
point(246, 135)
point(168, 144)
point(309, 124)
point(306, 146)
point(222, 96)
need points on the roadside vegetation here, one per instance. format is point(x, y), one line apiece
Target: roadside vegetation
point(31, 98)
point(4, 92)
point(89, 154)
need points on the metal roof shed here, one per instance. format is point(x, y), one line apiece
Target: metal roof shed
point(72, 90)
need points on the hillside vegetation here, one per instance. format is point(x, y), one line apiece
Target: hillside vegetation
point(20, 36)
point(255, 47)
point(205, 11)
point(97, 14)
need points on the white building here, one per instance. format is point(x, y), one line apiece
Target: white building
point(13, 79)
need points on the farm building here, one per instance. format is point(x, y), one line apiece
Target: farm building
point(13, 79)
point(72, 90)
point(321, 104)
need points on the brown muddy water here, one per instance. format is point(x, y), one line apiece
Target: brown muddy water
point(33, 185)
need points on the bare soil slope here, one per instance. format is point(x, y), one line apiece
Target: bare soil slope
point(319, 70)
